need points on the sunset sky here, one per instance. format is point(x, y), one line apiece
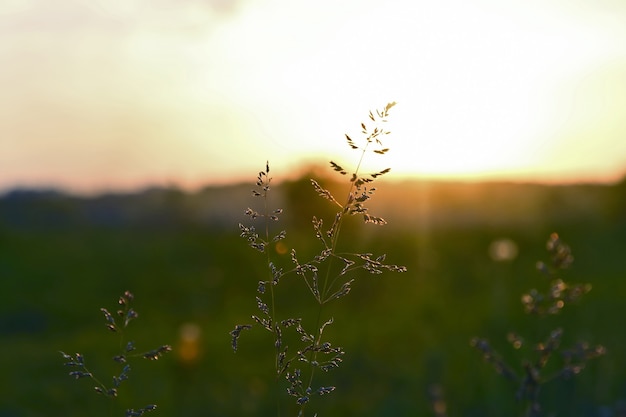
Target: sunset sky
point(98, 95)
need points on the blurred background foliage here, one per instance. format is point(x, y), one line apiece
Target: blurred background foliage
point(470, 250)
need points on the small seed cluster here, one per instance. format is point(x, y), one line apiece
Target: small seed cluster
point(116, 323)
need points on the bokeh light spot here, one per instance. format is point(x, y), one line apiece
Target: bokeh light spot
point(501, 250)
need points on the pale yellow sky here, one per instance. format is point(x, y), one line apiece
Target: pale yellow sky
point(118, 94)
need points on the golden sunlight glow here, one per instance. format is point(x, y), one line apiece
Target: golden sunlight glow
point(476, 89)
point(105, 94)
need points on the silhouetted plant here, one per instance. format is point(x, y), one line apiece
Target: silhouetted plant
point(116, 323)
point(328, 276)
point(532, 374)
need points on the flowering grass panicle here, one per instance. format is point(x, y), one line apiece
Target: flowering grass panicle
point(533, 373)
point(116, 323)
point(327, 276)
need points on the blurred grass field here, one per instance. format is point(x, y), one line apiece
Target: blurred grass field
point(194, 278)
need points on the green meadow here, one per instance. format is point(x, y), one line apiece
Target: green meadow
point(64, 257)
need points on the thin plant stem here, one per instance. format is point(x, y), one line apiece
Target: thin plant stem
point(326, 287)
